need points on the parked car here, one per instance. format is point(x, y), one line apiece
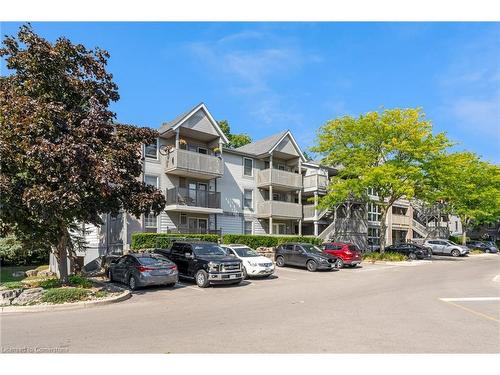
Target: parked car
point(253, 263)
point(446, 247)
point(304, 255)
point(491, 247)
point(346, 253)
point(411, 250)
point(206, 262)
point(486, 246)
point(143, 269)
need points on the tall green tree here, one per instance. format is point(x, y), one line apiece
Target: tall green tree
point(468, 186)
point(235, 140)
point(63, 161)
point(386, 151)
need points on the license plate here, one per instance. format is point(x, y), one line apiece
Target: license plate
point(232, 276)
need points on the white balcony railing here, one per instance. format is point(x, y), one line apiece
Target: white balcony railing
point(315, 182)
point(279, 209)
point(401, 220)
point(191, 162)
point(272, 176)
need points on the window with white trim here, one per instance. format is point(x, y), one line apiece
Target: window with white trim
point(151, 222)
point(247, 167)
point(248, 199)
point(248, 227)
point(373, 212)
point(151, 151)
point(151, 180)
point(373, 236)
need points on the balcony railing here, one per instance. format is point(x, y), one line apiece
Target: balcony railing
point(279, 209)
point(184, 229)
point(183, 162)
point(309, 212)
point(401, 220)
point(193, 197)
point(315, 182)
point(272, 176)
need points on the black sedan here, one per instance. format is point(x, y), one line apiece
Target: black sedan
point(411, 250)
point(143, 269)
point(304, 255)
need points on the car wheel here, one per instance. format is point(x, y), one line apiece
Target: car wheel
point(132, 283)
point(201, 278)
point(412, 256)
point(280, 261)
point(340, 263)
point(245, 275)
point(311, 266)
point(455, 253)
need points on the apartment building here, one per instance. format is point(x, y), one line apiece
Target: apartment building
point(265, 187)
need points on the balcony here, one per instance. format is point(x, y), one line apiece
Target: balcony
point(315, 182)
point(193, 200)
point(193, 164)
point(279, 210)
point(310, 213)
point(281, 179)
point(401, 220)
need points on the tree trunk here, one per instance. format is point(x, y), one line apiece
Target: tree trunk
point(383, 229)
point(62, 251)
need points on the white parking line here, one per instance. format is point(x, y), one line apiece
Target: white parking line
point(470, 299)
point(292, 270)
point(189, 286)
point(496, 279)
point(377, 268)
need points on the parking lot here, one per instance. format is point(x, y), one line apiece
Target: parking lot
point(447, 305)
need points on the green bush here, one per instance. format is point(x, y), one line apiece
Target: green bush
point(14, 253)
point(101, 294)
point(255, 241)
point(47, 284)
point(80, 281)
point(388, 256)
point(457, 239)
point(163, 240)
point(62, 295)
point(13, 285)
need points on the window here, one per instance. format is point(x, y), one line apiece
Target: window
point(202, 150)
point(183, 220)
point(248, 199)
point(151, 151)
point(281, 167)
point(371, 191)
point(247, 167)
point(151, 222)
point(373, 236)
point(248, 227)
point(373, 212)
point(151, 180)
point(398, 210)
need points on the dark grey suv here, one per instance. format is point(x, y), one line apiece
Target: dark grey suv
point(143, 269)
point(304, 255)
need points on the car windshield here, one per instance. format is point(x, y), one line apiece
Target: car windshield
point(245, 252)
point(207, 249)
point(489, 243)
point(311, 248)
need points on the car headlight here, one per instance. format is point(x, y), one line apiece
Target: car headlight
point(212, 266)
point(322, 260)
point(252, 264)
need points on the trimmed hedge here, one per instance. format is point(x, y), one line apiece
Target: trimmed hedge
point(163, 240)
point(255, 241)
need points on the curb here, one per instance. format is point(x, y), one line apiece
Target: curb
point(404, 263)
point(126, 294)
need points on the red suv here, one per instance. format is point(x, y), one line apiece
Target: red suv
point(346, 253)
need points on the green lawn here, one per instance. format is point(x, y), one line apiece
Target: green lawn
point(6, 272)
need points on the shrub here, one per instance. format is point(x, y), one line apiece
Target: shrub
point(80, 281)
point(163, 240)
point(388, 256)
point(47, 284)
point(15, 253)
point(101, 294)
point(62, 295)
point(255, 241)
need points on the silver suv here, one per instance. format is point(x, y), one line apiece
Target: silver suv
point(445, 247)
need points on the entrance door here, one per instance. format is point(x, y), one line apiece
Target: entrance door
point(202, 195)
point(197, 225)
point(192, 224)
point(202, 225)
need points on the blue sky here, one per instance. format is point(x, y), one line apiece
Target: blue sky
point(266, 77)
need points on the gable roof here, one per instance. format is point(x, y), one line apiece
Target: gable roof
point(268, 144)
point(179, 120)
